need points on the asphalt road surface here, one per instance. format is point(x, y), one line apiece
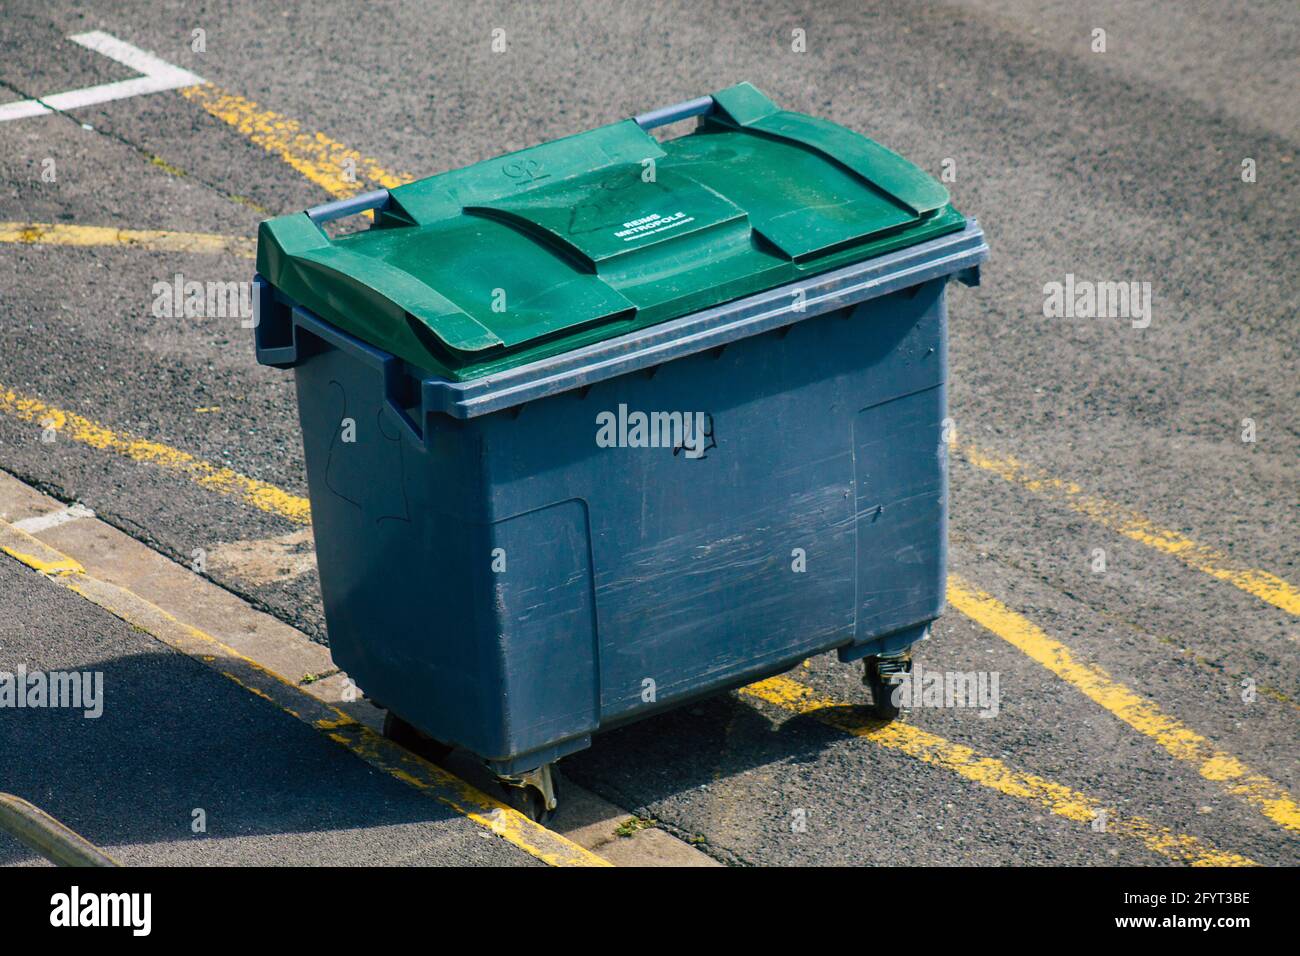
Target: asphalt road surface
point(175, 764)
point(1168, 158)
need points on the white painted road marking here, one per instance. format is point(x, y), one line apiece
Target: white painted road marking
point(53, 519)
point(159, 75)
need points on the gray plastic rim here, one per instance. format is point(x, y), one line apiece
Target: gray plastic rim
point(958, 253)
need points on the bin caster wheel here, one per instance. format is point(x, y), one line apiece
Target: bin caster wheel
point(883, 675)
point(535, 794)
point(406, 735)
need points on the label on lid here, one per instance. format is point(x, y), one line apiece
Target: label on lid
point(616, 211)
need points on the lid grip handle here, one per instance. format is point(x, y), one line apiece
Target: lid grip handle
point(700, 106)
point(350, 206)
point(379, 198)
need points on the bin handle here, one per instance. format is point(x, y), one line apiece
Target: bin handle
point(379, 199)
point(700, 106)
point(326, 212)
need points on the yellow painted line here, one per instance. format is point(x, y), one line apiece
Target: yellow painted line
point(51, 565)
point(339, 726)
point(259, 494)
point(796, 698)
point(1136, 527)
point(323, 160)
point(1183, 743)
point(1140, 713)
point(35, 553)
point(153, 240)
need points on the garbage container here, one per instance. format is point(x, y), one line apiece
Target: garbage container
point(601, 426)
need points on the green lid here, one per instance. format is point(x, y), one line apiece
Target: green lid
point(594, 235)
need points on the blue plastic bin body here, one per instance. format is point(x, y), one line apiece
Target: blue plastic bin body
point(504, 583)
